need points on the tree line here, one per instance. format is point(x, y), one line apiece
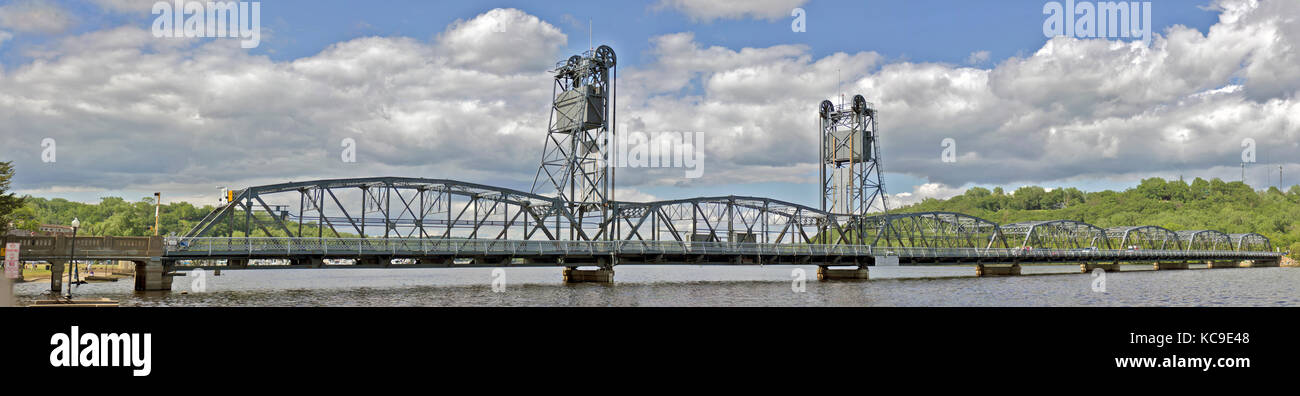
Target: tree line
point(114, 216)
point(1230, 207)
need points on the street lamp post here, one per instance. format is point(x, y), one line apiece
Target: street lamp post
point(157, 207)
point(72, 256)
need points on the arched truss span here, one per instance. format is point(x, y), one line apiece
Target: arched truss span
point(1205, 240)
point(389, 207)
point(939, 230)
point(729, 219)
point(1056, 234)
point(1251, 242)
point(400, 207)
point(1143, 237)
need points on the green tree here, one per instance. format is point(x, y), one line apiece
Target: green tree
point(24, 218)
point(1028, 198)
point(977, 192)
point(8, 201)
point(1154, 188)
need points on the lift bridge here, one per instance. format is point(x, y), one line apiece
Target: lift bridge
point(570, 219)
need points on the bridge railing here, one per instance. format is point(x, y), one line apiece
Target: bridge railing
point(413, 246)
point(62, 247)
point(1068, 254)
point(292, 246)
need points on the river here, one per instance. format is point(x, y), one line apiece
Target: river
point(709, 286)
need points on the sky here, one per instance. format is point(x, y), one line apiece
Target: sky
point(461, 90)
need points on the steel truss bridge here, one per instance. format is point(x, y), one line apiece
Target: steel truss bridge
point(437, 222)
point(570, 217)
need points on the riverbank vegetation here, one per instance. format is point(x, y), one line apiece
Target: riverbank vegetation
point(1230, 207)
point(117, 217)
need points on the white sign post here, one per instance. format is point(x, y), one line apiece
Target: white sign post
point(13, 270)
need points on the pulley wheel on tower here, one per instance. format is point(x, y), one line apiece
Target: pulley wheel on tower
point(827, 108)
point(605, 55)
point(859, 104)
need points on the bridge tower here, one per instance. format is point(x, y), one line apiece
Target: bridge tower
point(575, 162)
point(851, 177)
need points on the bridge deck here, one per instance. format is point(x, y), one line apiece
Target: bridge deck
point(549, 252)
point(441, 252)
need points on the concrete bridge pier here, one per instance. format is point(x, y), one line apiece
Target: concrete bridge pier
point(826, 273)
point(575, 275)
point(1170, 265)
point(153, 275)
point(1108, 267)
point(56, 275)
point(983, 270)
point(1260, 263)
point(1223, 264)
point(605, 274)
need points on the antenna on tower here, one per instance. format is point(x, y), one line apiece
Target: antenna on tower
point(839, 85)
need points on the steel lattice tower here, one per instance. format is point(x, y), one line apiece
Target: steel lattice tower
point(851, 177)
point(575, 162)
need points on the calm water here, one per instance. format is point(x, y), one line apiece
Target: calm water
point(710, 286)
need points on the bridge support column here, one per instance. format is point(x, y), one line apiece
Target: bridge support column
point(575, 275)
point(1180, 265)
point(1259, 263)
point(152, 275)
point(1224, 264)
point(56, 275)
point(1108, 267)
point(983, 270)
point(825, 273)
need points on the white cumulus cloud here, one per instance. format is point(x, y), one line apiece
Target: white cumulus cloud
point(502, 41)
point(133, 112)
point(709, 10)
point(34, 16)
